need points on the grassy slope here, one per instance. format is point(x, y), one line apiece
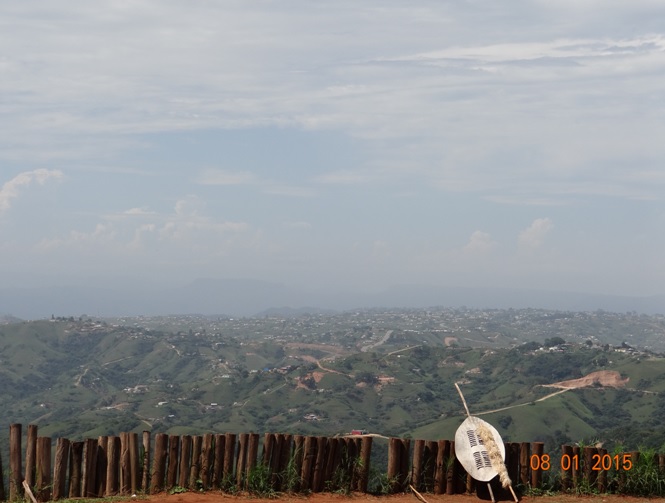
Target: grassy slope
point(88, 371)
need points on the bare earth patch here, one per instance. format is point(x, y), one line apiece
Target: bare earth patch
point(610, 378)
point(217, 497)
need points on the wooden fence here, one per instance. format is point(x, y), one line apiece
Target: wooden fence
point(126, 464)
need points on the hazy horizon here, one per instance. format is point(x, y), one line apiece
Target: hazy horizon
point(334, 145)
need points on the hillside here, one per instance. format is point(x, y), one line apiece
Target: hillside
point(329, 374)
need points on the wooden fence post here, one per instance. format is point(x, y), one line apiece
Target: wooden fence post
point(157, 482)
point(145, 478)
point(185, 460)
point(218, 463)
point(537, 475)
point(134, 468)
point(60, 469)
point(125, 467)
point(43, 467)
point(172, 470)
point(398, 462)
point(451, 469)
point(429, 465)
point(319, 464)
point(242, 459)
point(442, 453)
point(102, 465)
point(525, 464)
point(229, 453)
point(602, 474)
point(590, 475)
point(195, 468)
point(30, 455)
point(567, 463)
point(75, 469)
point(309, 451)
point(575, 470)
point(15, 463)
point(298, 456)
point(207, 459)
point(112, 466)
point(88, 489)
point(417, 464)
point(365, 456)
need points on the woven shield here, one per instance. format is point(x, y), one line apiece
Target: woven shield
point(471, 452)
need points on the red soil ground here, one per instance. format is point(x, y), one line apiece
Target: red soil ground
point(216, 497)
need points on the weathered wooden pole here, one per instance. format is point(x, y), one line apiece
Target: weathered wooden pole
point(451, 469)
point(319, 464)
point(157, 482)
point(309, 451)
point(30, 454)
point(513, 460)
point(15, 463)
point(537, 474)
point(590, 475)
point(172, 470)
point(566, 467)
point(242, 459)
point(429, 461)
point(185, 459)
point(145, 477)
point(252, 453)
point(525, 464)
point(285, 457)
point(365, 456)
point(195, 467)
point(332, 450)
point(134, 465)
point(442, 452)
point(75, 469)
point(102, 464)
point(43, 467)
point(60, 468)
point(218, 466)
point(417, 464)
point(576, 468)
point(112, 466)
point(125, 476)
point(602, 474)
point(268, 443)
point(207, 460)
point(273, 444)
point(229, 456)
point(88, 489)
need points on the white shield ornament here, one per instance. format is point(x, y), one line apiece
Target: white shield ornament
point(472, 452)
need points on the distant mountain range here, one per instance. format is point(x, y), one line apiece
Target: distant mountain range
point(245, 297)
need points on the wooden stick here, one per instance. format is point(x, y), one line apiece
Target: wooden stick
point(418, 495)
point(491, 492)
point(29, 492)
point(463, 401)
point(514, 495)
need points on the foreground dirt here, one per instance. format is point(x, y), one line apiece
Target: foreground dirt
point(216, 497)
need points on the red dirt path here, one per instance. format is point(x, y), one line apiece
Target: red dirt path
point(216, 497)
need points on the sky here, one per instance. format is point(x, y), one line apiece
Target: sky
point(350, 145)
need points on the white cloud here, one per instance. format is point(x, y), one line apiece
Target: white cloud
point(479, 243)
point(533, 236)
point(11, 190)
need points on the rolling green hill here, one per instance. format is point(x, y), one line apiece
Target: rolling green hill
point(83, 378)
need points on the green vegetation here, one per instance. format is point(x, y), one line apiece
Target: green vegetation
point(387, 372)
